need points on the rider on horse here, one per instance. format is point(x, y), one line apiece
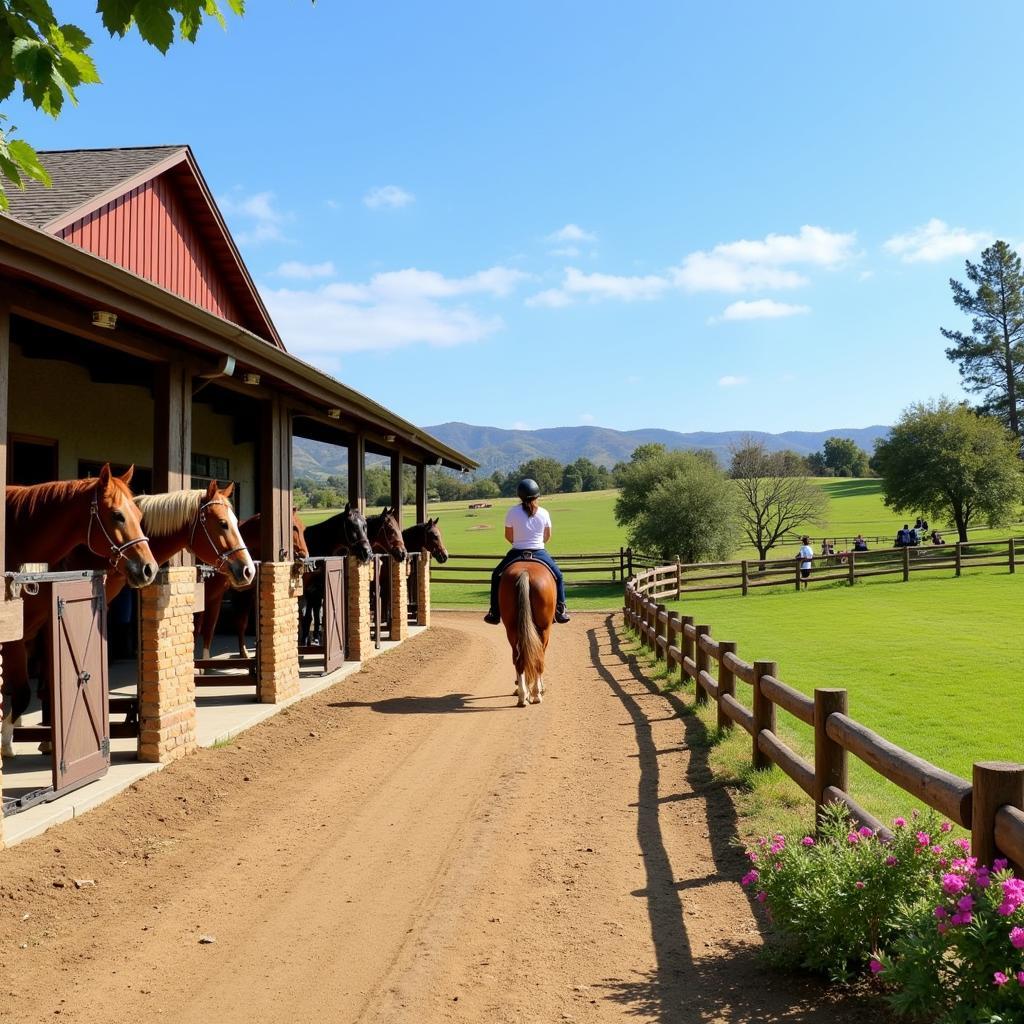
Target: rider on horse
point(527, 529)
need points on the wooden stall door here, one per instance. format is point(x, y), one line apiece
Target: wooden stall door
point(78, 653)
point(334, 613)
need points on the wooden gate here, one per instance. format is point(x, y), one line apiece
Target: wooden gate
point(335, 607)
point(227, 669)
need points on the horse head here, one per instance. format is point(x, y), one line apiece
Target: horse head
point(433, 544)
point(354, 536)
point(387, 536)
point(119, 523)
point(300, 549)
point(216, 539)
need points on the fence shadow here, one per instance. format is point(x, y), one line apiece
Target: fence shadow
point(731, 984)
point(446, 704)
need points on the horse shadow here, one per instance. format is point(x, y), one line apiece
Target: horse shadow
point(446, 704)
point(731, 983)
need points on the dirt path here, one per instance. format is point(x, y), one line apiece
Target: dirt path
point(410, 847)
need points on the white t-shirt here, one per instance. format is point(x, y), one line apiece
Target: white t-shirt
point(527, 531)
point(806, 552)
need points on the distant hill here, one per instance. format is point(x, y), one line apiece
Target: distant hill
point(497, 449)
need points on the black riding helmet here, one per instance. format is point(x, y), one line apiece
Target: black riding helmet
point(527, 489)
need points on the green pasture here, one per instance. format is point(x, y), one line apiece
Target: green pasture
point(586, 523)
point(935, 665)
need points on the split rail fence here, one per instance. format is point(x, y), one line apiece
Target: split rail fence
point(578, 569)
point(991, 806)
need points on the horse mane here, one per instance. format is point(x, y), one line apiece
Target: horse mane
point(164, 514)
point(26, 502)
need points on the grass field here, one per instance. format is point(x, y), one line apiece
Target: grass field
point(935, 665)
point(586, 523)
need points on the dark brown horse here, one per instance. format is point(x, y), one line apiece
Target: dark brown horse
point(426, 537)
point(526, 597)
point(385, 535)
point(217, 586)
point(45, 523)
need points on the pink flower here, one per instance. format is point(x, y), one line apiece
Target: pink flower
point(943, 927)
point(924, 839)
point(807, 841)
point(952, 884)
point(1000, 864)
point(1013, 896)
point(752, 856)
point(965, 903)
point(1020, 978)
point(946, 827)
point(776, 848)
point(939, 912)
point(999, 978)
point(891, 861)
point(899, 822)
point(858, 885)
point(876, 965)
point(964, 844)
point(962, 917)
point(865, 832)
point(853, 838)
point(1017, 938)
point(761, 896)
point(749, 877)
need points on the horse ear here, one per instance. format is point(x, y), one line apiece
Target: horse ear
point(295, 510)
point(126, 476)
point(104, 477)
point(229, 489)
point(436, 520)
point(211, 490)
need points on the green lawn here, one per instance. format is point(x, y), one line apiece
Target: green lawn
point(935, 665)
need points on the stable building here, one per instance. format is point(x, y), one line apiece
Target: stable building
point(131, 332)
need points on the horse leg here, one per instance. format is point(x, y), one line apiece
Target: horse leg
point(243, 606)
point(214, 599)
point(16, 692)
point(521, 689)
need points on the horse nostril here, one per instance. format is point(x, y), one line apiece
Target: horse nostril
point(147, 571)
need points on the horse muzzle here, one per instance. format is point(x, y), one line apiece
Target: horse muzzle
point(241, 572)
point(140, 572)
point(441, 556)
point(398, 554)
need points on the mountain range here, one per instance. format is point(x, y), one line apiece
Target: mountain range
point(498, 449)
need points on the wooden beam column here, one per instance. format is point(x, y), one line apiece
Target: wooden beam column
point(421, 492)
point(5, 376)
point(397, 469)
point(172, 435)
point(399, 601)
point(356, 472)
point(276, 482)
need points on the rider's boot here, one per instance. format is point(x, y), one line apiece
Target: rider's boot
point(493, 617)
point(561, 615)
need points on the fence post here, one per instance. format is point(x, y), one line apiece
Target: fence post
point(672, 636)
point(658, 609)
point(651, 619)
point(906, 564)
point(622, 562)
point(679, 577)
point(726, 681)
point(629, 563)
point(996, 784)
point(829, 756)
point(797, 565)
point(764, 711)
point(686, 644)
point(1013, 555)
point(700, 657)
point(958, 557)
point(850, 557)
point(745, 583)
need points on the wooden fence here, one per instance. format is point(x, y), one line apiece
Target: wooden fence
point(991, 805)
point(578, 569)
point(846, 566)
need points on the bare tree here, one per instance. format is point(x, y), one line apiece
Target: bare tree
point(775, 495)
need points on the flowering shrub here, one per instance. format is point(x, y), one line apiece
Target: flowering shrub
point(835, 900)
point(958, 957)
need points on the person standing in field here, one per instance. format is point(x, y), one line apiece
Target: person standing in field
point(806, 556)
point(527, 529)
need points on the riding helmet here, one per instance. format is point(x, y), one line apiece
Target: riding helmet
point(527, 489)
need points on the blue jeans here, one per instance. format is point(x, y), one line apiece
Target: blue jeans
point(539, 555)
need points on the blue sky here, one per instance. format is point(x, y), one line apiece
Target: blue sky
point(697, 217)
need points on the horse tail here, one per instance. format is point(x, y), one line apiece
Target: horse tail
point(531, 650)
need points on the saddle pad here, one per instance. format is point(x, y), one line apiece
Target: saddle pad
point(535, 561)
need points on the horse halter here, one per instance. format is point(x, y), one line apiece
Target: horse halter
point(200, 520)
point(116, 550)
point(351, 533)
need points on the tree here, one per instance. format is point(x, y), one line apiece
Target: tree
point(572, 479)
point(991, 357)
point(651, 450)
point(547, 472)
point(844, 457)
point(774, 495)
point(50, 60)
point(947, 461)
point(678, 503)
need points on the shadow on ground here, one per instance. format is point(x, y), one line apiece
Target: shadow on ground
point(448, 703)
point(725, 985)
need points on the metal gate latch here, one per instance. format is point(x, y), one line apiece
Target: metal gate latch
point(84, 677)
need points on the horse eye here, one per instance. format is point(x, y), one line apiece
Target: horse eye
point(118, 517)
point(224, 525)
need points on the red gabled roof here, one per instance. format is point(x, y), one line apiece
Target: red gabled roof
point(150, 211)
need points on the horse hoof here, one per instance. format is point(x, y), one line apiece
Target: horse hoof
point(522, 703)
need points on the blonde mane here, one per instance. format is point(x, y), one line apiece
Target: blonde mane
point(164, 514)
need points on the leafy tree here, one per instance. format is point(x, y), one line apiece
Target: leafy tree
point(678, 503)
point(647, 451)
point(775, 496)
point(572, 479)
point(844, 457)
point(991, 357)
point(547, 472)
point(947, 461)
point(50, 60)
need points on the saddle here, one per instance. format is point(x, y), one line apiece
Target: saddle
point(527, 556)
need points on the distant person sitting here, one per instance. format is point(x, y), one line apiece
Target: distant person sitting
point(937, 537)
point(915, 538)
point(919, 525)
point(903, 536)
point(859, 543)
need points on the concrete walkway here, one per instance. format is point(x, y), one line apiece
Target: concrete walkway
point(221, 713)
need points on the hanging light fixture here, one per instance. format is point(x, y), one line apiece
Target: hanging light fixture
point(104, 318)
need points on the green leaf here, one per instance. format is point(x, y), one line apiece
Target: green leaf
point(116, 15)
point(85, 69)
point(155, 23)
point(33, 61)
point(75, 38)
point(28, 161)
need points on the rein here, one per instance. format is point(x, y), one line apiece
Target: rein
point(200, 520)
point(116, 550)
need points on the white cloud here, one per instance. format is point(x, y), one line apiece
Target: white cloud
point(935, 241)
point(305, 271)
point(260, 221)
point(728, 381)
point(762, 309)
point(578, 284)
point(587, 418)
point(569, 252)
point(571, 233)
point(552, 298)
point(391, 310)
point(754, 265)
point(390, 196)
point(521, 425)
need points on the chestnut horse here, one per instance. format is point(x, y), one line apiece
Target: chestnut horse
point(217, 586)
point(526, 597)
point(385, 536)
point(45, 523)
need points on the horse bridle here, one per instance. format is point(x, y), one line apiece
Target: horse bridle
point(116, 550)
point(350, 528)
point(200, 520)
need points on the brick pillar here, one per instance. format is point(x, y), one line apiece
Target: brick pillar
point(167, 690)
point(280, 590)
point(423, 591)
point(357, 614)
point(399, 604)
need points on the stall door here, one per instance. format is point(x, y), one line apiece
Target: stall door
point(334, 613)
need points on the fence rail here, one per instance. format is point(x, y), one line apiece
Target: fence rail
point(578, 569)
point(991, 805)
